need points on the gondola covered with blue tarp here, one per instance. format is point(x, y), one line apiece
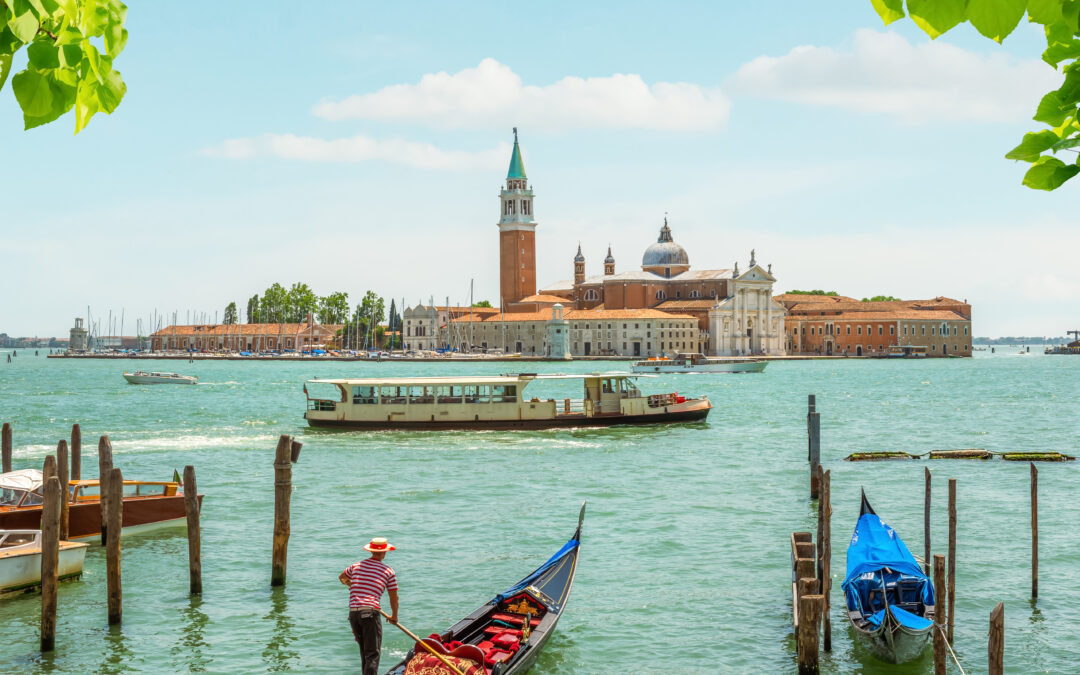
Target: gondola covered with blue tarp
point(890, 601)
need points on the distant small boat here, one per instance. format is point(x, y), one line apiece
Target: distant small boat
point(698, 363)
point(20, 560)
point(890, 601)
point(143, 377)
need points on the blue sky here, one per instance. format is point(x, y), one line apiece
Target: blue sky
point(323, 146)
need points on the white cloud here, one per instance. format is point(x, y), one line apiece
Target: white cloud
point(492, 94)
point(359, 148)
point(884, 73)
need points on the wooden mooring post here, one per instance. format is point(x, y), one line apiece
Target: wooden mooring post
point(825, 554)
point(813, 429)
point(287, 450)
point(115, 490)
point(191, 506)
point(62, 474)
point(1034, 531)
point(76, 452)
point(809, 625)
point(939, 614)
point(802, 567)
point(105, 465)
point(951, 582)
point(996, 646)
point(5, 445)
point(50, 560)
point(926, 523)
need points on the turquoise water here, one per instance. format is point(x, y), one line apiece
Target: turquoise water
point(685, 555)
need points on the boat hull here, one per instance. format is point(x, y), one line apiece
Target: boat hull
point(84, 519)
point(727, 367)
point(907, 644)
point(149, 379)
point(696, 414)
point(21, 571)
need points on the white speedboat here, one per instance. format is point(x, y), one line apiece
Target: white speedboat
point(698, 363)
point(143, 377)
point(20, 560)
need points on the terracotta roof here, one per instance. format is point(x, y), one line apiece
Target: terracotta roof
point(893, 315)
point(543, 298)
point(803, 297)
point(581, 315)
point(703, 303)
point(226, 330)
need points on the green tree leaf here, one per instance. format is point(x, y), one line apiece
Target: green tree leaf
point(1065, 144)
point(33, 93)
point(1033, 145)
point(936, 16)
point(1051, 110)
point(889, 10)
point(70, 56)
point(995, 18)
point(61, 85)
point(1045, 12)
point(1049, 173)
point(24, 26)
point(43, 55)
point(86, 103)
point(5, 68)
point(115, 39)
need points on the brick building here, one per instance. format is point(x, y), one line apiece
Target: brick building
point(244, 337)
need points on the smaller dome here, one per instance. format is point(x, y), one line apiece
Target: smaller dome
point(579, 258)
point(609, 260)
point(665, 251)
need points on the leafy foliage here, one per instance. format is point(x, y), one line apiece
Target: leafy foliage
point(817, 292)
point(231, 314)
point(996, 19)
point(333, 308)
point(253, 309)
point(482, 303)
point(881, 298)
point(70, 48)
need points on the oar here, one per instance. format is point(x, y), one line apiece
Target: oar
point(424, 645)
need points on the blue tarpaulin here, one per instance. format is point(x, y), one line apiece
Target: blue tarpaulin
point(875, 545)
point(538, 572)
point(906, 618)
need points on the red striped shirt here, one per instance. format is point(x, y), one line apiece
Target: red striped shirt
point(367, 581)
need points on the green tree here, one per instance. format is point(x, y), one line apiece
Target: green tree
point(393, 322)
point(334, 308)
point(302, 301)
point(996, 19)
point(817, 292)
point(881, 298)
point(274, 304)
point(482, 303)
point(253, 309)
point(70, 47)
point(231, 315)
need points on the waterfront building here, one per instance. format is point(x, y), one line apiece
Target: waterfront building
point(244, 337)
point(838, 325)
point(79, 336)
point(426, 327)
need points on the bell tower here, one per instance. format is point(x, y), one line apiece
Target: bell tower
point(579, 266)
point(517, 233)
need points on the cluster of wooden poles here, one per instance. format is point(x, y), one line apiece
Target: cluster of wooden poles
point(811, 578)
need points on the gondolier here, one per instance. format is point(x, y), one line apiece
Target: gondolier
point(367, 580)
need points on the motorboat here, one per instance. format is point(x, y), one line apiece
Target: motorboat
point(698, 363)
point(493, 402)
point(147, 504)
point(20, 560)
point(144, 377)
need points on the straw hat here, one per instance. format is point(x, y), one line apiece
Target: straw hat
point(379, 545)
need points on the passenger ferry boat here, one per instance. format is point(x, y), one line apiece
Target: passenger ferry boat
point(491, 402)
point(698, 363)
point(143, 377)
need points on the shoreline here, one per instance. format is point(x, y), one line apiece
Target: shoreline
point(411, 359)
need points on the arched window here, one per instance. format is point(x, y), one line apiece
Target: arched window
point(660, 295)
point(695, 294)
point(591, 294)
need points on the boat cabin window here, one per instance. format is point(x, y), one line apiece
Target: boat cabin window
point(628, 389)
point(9, 497)
point(451, 394)
point(365, 395)
point(33, 498)
point(394, 395)
point(504, 393)
point(17, 539)
point(608, 386)
point(478, 394)
point(422, 394)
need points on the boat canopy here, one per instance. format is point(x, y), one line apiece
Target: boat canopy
point(509, 378)
point(543, 576)
point(876, 545)
point(902, 616)
point(24, 479)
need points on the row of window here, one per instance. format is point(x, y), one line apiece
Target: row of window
point(482, 393)
point(510, 207)
point(828, 330)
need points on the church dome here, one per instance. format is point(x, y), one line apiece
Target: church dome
point(665, 251)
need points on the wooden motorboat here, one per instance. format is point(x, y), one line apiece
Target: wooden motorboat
point(505, 635)
point(890, 601)
point(491, 402)
point(147, 504)
point(144, 377)
point(698, 363)
point(20, 560)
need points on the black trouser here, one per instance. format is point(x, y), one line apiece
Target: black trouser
point(367, 628)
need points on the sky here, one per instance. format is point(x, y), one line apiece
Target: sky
point(362, 146)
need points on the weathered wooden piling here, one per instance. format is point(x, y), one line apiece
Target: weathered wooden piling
point(951, 583)
point(809, 624)
point(802, 566)
point(996, 646)
point(811, 405)
point(1034, 531)
point(813, 427)
point(50, 560)
point(282, 494)
point(76, 452)
point(115, 489)
point(926, 523)
point(48, 468)
point(5, 445)
point(825, 549)
point(191, 506)
point(939, 614)
point(105, 466)
point(62, 474)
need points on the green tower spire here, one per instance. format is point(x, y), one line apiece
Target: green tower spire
point(517, 167)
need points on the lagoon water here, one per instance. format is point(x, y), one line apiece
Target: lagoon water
point(685, 557)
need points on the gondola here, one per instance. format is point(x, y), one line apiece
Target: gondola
point(890, 601)
point(505, 635)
